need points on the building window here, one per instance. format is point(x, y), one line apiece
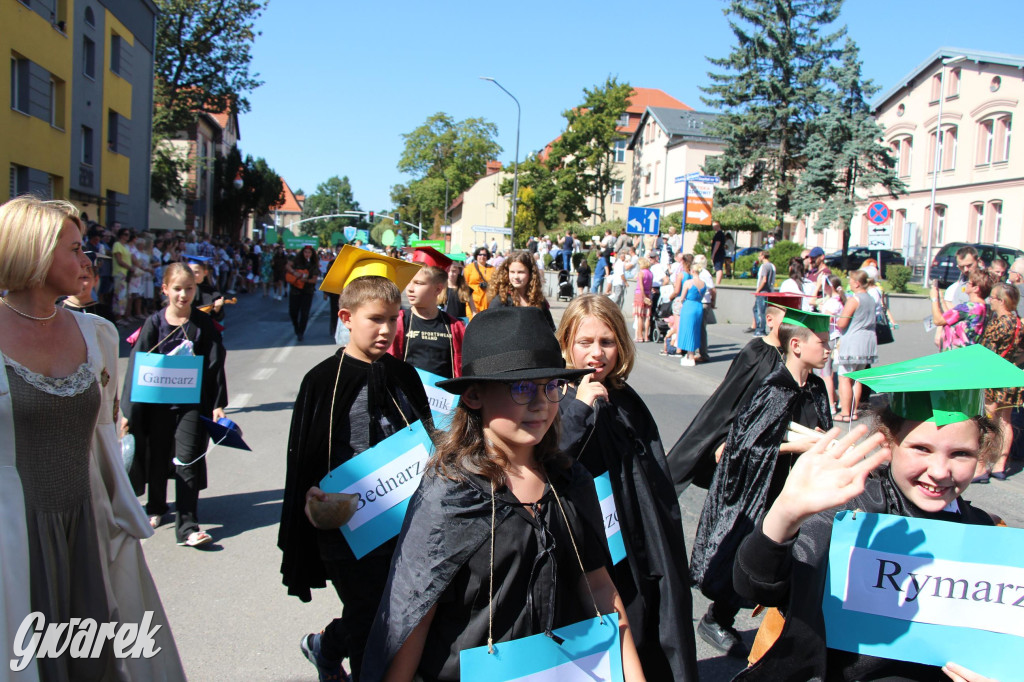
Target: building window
point(89, 57)
point(87, 145)
point(620, 151)
point(623, 120)
point(902, 149)
point(112, 130)
point(647, 181)
point(901, 109)
point(115, 53)
point(939, 233)
point(994, 140)
point(19, 84)
point(995, 83)
point(617, 192)
point(52, 97)
point(995, 221)
point(936, 88)
point(946, 151)
point(657, 165)
point(977, 222)
point(90, 17)
point(953, 83)
point(899, 219)
point(18, 180)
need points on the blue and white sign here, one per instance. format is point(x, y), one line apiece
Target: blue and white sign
point(926, 591)
point(612, 529)
point(384, 477)
point(167, 379)
point(698, 177)
point(643, 220)
point(349, 232)
point(590, 651)
point(442, 403)
point(878, 213)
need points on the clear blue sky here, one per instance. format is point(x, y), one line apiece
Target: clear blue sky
point(344, 79)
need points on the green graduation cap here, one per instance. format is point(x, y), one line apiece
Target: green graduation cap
point(944, 388)
point(816, 322)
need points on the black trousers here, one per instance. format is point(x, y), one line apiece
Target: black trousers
point(333, 300)
point(360, 585)
point(169, 434)
point(299, 304)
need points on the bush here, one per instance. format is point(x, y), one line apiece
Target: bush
point(898, 277)
point(743, 265)
point(592, 256)
point(547, 260)
point(781, 253)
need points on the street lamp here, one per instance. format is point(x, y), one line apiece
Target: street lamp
point(515, 175)
point(938, 163)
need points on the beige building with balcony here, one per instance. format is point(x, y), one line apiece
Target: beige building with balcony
point(478, 215)
point(980, 185)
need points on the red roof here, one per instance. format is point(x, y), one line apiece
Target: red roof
point(652, 97)
point(290, 203)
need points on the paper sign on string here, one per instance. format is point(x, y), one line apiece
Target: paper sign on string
point(926, 591)
point(590, 651)
point(610, 515)
point(442, 403)
point(167, 379)
point(384, 477)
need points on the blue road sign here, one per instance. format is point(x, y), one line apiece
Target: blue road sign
point(643, 220)
point(878, 213)
point(350, 233)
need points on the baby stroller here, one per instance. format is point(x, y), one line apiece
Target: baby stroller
point(564, 286)
point(659, 327)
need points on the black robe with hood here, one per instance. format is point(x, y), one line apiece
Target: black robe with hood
point(619, 436)
point(766, 571)
point(750, 476)
point(445, 543)
point(692, 458)
point(307, 459)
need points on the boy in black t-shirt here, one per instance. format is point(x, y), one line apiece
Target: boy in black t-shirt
point(428, 337)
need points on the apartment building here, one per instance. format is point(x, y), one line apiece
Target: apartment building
point(979, 188)
point(478, 215)
point(80, 90)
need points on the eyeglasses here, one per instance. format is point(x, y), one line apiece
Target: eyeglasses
point(523, 392)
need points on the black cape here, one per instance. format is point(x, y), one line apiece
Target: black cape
point(446, 525)
point(207, 342)
point(750, 474)
point(307, 460)
point(692, 458)
point(619, 436)
point(766, 571)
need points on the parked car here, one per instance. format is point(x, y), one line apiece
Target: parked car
point(858, 254)
point(747, 251)
point(944, 261)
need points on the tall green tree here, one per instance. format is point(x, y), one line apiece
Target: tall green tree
point(769, 90)
point(441, 154)
point(261, 189)
point(203, 52)
point(582, 159)
point(545, 202)
point(331, 197)
point(844, 153)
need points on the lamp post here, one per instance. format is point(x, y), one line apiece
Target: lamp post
point(515, 174)
point(938, 164)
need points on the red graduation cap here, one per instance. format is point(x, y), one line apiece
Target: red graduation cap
point(782, 300)
point(428, 255)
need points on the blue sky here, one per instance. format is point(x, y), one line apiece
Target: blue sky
point(343, 80)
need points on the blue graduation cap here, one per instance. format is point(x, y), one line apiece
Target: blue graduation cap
point(196, 259)
point(225, 432)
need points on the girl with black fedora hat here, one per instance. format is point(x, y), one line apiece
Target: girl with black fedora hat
point(504, 538)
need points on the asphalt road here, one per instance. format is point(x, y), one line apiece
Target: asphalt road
point(232, 618)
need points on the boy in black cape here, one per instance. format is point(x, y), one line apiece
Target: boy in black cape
point(753, 469)
point(693, 457)
point(346, 404)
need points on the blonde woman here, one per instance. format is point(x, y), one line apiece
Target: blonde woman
point(692, 313)
point(70, 539)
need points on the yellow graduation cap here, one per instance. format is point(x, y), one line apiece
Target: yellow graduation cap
point(352, 263)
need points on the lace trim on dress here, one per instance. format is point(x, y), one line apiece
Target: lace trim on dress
point(74, 384)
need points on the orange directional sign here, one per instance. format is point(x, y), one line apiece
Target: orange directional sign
point(700, 198)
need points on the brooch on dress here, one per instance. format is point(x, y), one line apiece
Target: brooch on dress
point(104, 377)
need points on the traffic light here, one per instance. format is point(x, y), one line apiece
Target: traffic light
point(398, 220)
point(371, 218)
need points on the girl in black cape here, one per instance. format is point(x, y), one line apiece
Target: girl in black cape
point(167, 432)
point(607, 427)
point(784, 561)
point(504, 537)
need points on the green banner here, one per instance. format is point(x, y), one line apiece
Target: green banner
point(436, 243)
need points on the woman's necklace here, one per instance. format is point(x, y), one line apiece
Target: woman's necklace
point(44, 320)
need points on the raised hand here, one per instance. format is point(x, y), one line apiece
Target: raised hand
point(824, 477)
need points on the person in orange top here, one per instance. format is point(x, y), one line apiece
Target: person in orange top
point(478, 276)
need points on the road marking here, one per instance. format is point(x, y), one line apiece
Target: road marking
point(284, 353)
point(267, 355)
point(239, 401)
point(264, 374)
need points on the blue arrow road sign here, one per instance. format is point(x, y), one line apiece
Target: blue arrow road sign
point(642, 220)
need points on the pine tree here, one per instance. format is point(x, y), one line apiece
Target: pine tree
point(843, 150)
point(768, 93)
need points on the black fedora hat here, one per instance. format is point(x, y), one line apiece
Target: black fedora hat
point(510, 344)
